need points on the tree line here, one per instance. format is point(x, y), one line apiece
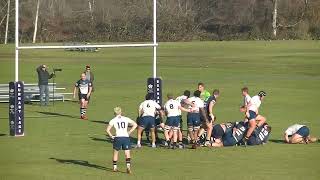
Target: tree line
point(178, 20)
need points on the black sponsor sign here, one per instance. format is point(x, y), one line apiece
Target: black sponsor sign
point(154, 87)
point(16, 108)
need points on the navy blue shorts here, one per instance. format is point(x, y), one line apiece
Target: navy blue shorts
point(252, 115)
point(193, 119)
point(303, 131)
point(147, 122)
point(173, 121)
point(121, 143)
point(229, 140)
point(83, 96)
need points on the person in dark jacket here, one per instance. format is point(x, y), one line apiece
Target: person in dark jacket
point(89, 75)
point(43, 78)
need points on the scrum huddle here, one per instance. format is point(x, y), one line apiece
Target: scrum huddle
point(201, 122)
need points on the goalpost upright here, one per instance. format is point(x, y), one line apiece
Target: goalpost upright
point(16, 88)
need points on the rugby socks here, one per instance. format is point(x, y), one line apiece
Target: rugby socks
point(81, 111)
point(128, 162)
point(114, 165)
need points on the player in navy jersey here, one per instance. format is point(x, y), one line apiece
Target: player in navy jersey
point(207, 125)
point(260, 135)
point(84, 92)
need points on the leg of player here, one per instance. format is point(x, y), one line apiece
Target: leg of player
point(128, 161)
point(191, 134)
point(139, 134)
point(252, 126)
point(115, 160)
point(175, 137)
point(153, 137)
point(195, 134)
point(82, 108)
point(209, 132)
point(261, 120)
point(166, 135)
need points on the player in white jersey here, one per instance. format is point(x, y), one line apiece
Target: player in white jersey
point(246, 99)
point(122, 137)
point(297, 134)
point(146, 112)
point(193, 118)
point(183, 100)
point(173, 110)
point(254, 118)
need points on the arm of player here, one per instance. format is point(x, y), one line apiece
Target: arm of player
point(184, 109)
point(74, 92)
point(186, 101)
point(134, 126)
point(286, 138)
point(108, 131)
point(89, 93)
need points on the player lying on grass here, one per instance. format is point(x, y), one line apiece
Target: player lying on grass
point(84, 92)
point(260, 135)
point(231, 137)
point(298, 134)
point(146, 112)
point(207, 125)
point(173, 110)
point(122, 137)
point(193, 118)
point(254, 118)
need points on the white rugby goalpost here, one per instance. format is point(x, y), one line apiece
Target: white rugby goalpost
point(18, 47)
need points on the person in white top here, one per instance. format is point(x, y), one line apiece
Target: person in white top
point(253, 113)
point(121, 141)
point(173, 110)
point(146, 112)
point(298, 134)
point(246, 99)
point(193, 118)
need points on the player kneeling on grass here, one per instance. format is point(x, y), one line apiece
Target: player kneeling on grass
point(85, 88)
point(147, 111)
point(122, 138)
point(254, 118)
point(231, 137)
point(173, 110)
point(298, 134)
point(260, 135)
point(193, 117)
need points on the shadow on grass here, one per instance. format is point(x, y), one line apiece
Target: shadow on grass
point(100, 122)
point(2, 134)
point(82, 163)
point(54, 114)
point(279, 141)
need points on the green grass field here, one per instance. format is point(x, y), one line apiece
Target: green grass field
point(58, 145)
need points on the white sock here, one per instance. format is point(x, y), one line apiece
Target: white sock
point(138, 142)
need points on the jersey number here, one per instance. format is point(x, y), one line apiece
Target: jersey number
point(121, 125)
point(148, 105)
point(171, 106)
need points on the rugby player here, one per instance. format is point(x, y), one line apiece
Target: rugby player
point(122, 137)
point(253, 113)
point(209, 104)
point(146, 112)
point(260, 135)
point(218, 131)
point(183, 100)
point(204, 93)
point(231, 138)
point(298, 134)
point(85, 88)
point(173, 110)
point(246, 99)
point(193, 118)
